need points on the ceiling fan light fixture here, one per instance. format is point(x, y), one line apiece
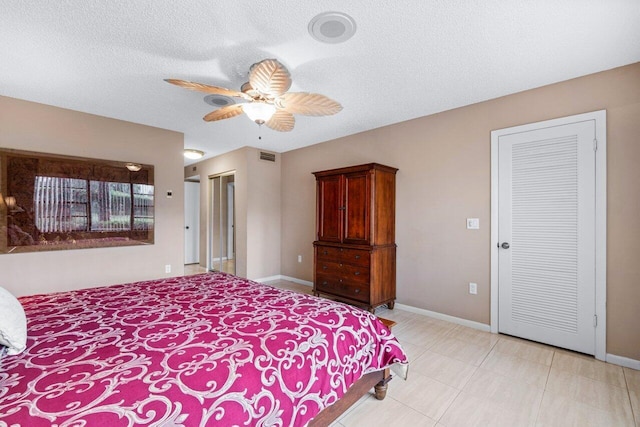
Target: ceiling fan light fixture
point(192, 154)
point(258, 111)
point(266, 97)
point(332, 27)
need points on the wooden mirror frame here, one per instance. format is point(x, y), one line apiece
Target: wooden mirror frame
point(53, 202)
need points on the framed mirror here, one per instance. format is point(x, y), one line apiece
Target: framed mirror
point(52, 202)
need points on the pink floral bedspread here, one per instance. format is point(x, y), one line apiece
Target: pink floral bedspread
point(211, 349)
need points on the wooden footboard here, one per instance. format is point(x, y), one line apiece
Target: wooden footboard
point(377, 380)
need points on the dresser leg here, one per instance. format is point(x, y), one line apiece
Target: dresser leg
point(391, 304)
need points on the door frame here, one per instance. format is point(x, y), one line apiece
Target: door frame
point(209, 221)
point(196, 210)
point(600, 264)
point(231, 220)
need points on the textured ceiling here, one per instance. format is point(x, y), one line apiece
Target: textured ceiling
point(408, 58)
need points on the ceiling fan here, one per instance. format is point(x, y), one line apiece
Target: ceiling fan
point(266, 98)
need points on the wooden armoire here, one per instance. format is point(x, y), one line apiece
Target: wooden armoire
point(355, 250)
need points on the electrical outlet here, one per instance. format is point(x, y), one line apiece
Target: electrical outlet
point(167, 268)
point(299, 258)
point(473, 288)
point(473, 223)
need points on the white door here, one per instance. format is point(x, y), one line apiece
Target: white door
point(546, 233)
point(191, 222)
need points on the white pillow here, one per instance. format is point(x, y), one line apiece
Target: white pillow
point(13, 323)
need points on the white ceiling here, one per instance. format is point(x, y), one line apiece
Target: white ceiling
point(408, 58)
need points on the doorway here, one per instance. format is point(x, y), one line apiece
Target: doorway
point(192, 221)
point(548, 232)
point(222, 239)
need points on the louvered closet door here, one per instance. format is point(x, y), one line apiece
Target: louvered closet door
point(547, 218)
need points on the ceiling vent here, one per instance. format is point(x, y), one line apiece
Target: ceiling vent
point(219, 100)
point(269, 157)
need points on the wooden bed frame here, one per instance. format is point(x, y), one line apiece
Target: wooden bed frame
point(377, 380)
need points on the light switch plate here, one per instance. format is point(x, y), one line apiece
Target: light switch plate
point(473, 223)
point(473, 288)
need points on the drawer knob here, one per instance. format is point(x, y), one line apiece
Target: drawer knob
point(341, 249)
point(357, 291)
point(357, 273)
point(324, 267)
point(340, 264)
point(357, 256)
point(340, 280)
point(324, 283)
point(324, 252)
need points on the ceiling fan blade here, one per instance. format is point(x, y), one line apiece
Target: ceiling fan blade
point(270, 77)
point(224, 113)
point(282, 121)
point(200, 87)
point(308, 104)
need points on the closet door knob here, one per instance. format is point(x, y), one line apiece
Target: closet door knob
point(505, 245)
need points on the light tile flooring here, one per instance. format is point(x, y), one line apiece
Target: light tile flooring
point(464, 377)
point(228, 266)
point(191, 269)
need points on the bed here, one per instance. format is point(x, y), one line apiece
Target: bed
point(209, 349)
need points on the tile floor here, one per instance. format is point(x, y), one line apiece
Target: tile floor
point(226, 266)
point(191, 269)
point(460, 376)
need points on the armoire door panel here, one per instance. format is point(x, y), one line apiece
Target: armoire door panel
point(330, 209)
point(357, 206)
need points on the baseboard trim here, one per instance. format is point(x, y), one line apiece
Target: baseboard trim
point(299, 281)
point(457, 320)
point(267, 279)
point(623, 361)
point(281, 277)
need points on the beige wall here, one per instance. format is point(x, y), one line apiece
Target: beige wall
point(444, 177)
point(257, 199)
point(36, 127)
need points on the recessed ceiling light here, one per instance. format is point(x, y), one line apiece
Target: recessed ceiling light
point(219, 100)
point(193, 154)
point(332, 27)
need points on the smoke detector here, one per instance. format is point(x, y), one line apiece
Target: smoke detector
point(332, 27)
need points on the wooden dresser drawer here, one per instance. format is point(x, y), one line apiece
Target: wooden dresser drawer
point(342, 287)
point(344, 255)
point(348, 272)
